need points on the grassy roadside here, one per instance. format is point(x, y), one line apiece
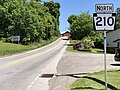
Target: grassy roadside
point(94, 50)
point(96, 80)
point(10, 48)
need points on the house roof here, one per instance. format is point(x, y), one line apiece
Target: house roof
point(117, 28)
point(117, 40)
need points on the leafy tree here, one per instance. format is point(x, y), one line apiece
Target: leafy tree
point(118, 17)
point(73, 18)
point(81, 27)
point(30, 20)
point(2, 2)
point(54, 11)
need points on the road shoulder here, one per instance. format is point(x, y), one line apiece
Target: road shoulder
point(41, 83)
point(74, 64)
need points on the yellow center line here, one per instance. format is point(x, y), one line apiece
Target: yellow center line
point(29, 57)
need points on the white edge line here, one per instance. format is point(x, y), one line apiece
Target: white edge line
point(43, 69)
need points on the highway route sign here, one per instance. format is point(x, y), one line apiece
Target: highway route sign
point(105, 21)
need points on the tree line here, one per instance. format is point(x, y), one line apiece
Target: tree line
point(29, 19)
point(81, 28)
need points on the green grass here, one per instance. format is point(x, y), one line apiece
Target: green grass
point(75, 41)
point(93, 50)
point(96, 50)
point(96, 81)
point(10, 48)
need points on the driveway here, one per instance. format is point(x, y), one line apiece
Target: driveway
point(72, 64)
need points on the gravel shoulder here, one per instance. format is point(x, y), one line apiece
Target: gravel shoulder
point(72, 64)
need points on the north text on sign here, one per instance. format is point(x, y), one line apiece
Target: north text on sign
point(100, 8)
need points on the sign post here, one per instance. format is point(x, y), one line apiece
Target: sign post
point(105, 62)
point(104, 20)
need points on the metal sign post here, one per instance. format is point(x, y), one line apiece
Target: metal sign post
point(105, 62)
point(104, 20)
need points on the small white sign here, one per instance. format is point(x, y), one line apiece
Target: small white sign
point(104, 21)
point(15, 38)
point(104, 8)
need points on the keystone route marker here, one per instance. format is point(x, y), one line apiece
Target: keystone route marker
point(104, 20)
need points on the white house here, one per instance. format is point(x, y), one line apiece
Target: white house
point(113, 40)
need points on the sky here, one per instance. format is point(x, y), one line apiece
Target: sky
point(76, 7)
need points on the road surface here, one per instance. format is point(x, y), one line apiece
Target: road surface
point(18, 71)
point(74, 65)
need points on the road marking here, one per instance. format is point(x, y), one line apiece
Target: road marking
point(29, 57)
point(46, 87)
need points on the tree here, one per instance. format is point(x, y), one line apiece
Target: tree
point(80, 26)
point(32, 21)
point(118, 17)
point(54, 11)
point(73, 18)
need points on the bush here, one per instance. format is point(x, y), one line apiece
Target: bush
point(85, 43)
point(5, 39)
point(82, 45)
point(89, 43)
point(77, 46)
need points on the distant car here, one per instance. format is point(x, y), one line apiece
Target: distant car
point(117, 55)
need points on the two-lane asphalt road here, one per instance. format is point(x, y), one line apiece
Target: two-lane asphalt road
point(18, 71)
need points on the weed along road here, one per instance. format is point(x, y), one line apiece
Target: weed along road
point(18, 71)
